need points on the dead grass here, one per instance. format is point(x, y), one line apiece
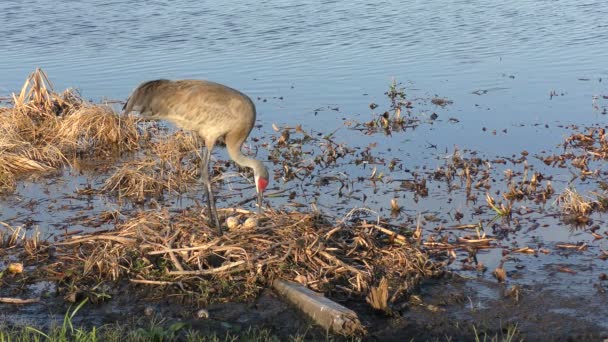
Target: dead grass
point(12, 237)
point(586, 151)
point(177, 147)
point(576, 206)
point(173, 165)
point(159, 249)
point(43, 126)
point(378, 296)
point(7, 179)
point(396, 119)
point(95, 128)
point(473, 173)
point(144, 178)
point(38, 99)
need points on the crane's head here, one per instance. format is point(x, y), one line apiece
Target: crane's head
point(260, 175)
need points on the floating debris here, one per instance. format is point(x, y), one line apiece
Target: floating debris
point(15, 268)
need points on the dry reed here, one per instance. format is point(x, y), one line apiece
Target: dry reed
point(12, 237)
point(343, 259)
point(149, 177)
point(95, 128)
point(575, 204)
point(177, 147)
point(172, 166)
point(42, 127)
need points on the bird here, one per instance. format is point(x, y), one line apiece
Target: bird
point(212, 110)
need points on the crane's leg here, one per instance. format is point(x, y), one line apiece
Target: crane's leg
point(212, 210)
point(205, 180)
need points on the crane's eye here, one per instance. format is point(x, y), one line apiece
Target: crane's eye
point(262, 184)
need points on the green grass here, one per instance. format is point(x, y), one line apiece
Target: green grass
point(116, 333)
point(508, 334)
point(155, 330)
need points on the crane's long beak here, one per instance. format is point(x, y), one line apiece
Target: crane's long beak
point(260, 199)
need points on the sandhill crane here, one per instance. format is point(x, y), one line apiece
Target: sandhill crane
point(212, 110)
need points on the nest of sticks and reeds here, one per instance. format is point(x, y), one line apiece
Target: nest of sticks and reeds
point(44, 130)
point(180, 253)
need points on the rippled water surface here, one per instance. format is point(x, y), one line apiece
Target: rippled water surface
point(330, 52)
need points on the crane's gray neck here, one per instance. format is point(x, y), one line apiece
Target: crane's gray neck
point(237, 155)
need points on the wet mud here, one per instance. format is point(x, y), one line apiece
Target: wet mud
point(450, 308)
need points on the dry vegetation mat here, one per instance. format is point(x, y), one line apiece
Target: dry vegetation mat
point(44, 130)
point(346, 259)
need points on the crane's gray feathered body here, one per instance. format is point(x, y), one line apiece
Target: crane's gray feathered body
point(212, 110)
